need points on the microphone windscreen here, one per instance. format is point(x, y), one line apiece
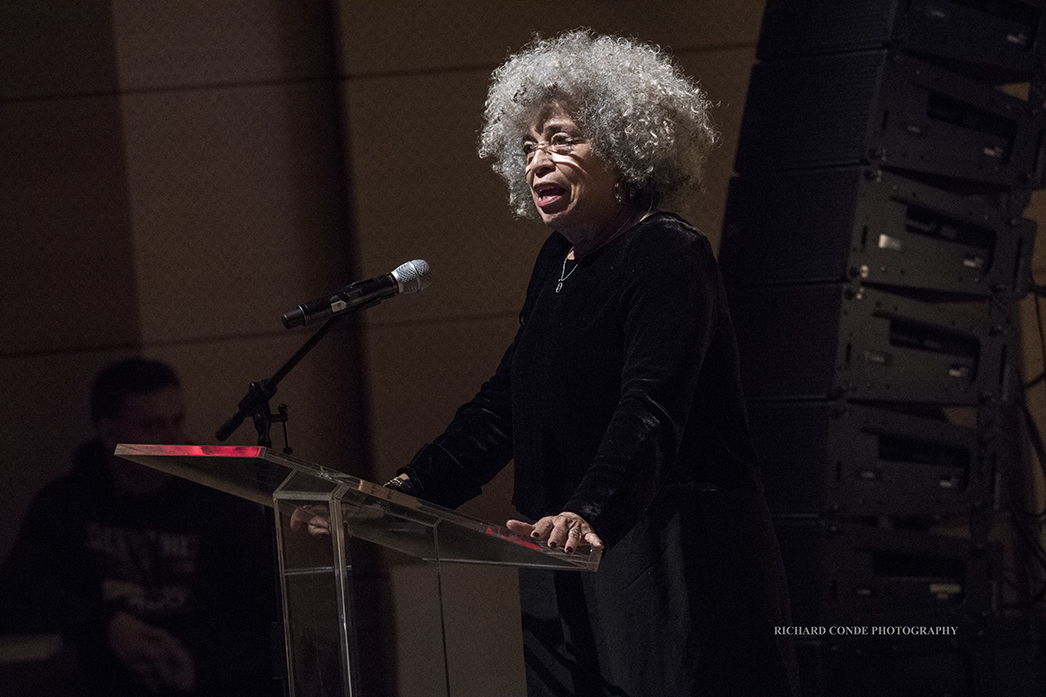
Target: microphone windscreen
point(413, 276)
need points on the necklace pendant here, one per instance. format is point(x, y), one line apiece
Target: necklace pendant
point(559, 286)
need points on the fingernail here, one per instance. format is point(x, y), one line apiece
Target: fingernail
point(534, 534)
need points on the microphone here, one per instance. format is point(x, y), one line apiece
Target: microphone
point(406, 278)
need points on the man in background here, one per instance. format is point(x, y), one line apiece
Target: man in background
point(162, 585)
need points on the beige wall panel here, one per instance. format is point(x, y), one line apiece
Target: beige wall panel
point(55, 48)
point(419, 376)
point(206, 42)
point(422, 192)
point(484, 635)
point(46, 413)
point(325, 425)
point(484, 639)
point(64, 228)
point(403, 35)
point(236, 203)
point(484, 643)
point(414, 631)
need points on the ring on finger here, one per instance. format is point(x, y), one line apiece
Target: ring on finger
point(573, 532)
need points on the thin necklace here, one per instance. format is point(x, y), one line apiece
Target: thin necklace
point(564, 275)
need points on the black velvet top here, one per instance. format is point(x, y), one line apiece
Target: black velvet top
point(617, 389)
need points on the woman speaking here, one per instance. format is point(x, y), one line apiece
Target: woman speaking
point(619, 398)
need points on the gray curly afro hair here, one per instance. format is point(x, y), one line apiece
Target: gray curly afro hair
point(635, 106)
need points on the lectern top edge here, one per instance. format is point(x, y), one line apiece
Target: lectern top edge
point(261, 475)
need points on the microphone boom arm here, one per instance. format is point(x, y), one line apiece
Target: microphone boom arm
point(255, 403)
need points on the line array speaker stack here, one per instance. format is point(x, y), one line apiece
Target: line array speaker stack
point(874, 247)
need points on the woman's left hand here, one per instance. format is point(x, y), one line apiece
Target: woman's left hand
point(565, 530)
point(313, 519)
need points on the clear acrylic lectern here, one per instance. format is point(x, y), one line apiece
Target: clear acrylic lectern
point(316, 576)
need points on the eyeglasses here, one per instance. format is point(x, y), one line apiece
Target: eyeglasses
point(559, 144)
